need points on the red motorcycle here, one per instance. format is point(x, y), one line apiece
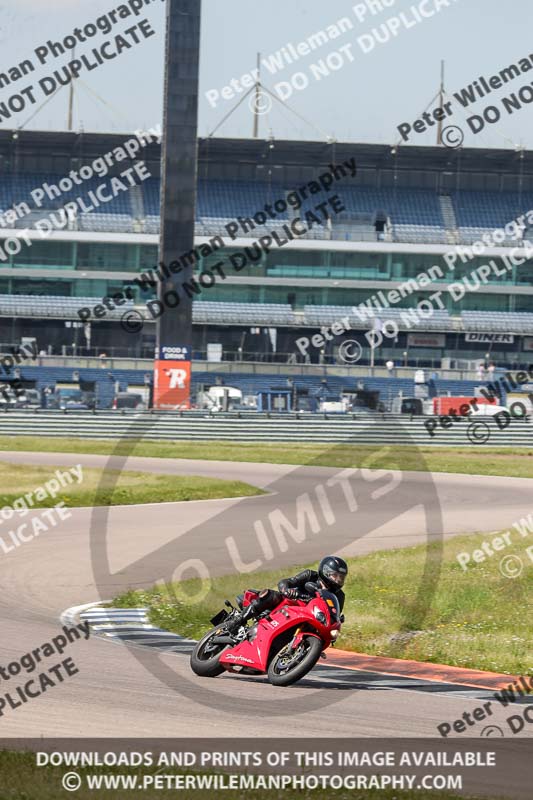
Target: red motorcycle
point(285, 643)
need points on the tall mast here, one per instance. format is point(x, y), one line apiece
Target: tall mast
point(257, 97)
point(441, 102)
point(71, 98)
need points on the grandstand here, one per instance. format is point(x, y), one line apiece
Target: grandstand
point(252, 314)
point(416, 216)
point(406, 209)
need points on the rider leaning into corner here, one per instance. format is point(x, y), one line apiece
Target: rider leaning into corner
point(331, 574)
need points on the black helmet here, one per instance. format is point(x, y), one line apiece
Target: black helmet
point(333, 571)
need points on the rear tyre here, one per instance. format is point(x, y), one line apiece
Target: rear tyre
point(205, 656)
point(287, 668)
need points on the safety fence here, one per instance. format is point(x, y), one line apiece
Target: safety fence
point(282, 428)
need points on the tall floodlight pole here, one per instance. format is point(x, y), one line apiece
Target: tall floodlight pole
point(257, 97)
point(70, 119)
point(172, 372)
point(441, 102)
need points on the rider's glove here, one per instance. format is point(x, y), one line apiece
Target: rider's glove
point(292, 594)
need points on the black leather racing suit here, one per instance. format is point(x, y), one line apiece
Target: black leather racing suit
point(307, 576)
point(288, 587)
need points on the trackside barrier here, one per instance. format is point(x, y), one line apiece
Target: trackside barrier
point(285, 428)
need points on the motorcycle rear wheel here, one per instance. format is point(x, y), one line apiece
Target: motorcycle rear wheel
point(280, 670)
point(205, 658)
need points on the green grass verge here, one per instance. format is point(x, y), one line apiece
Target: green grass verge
point(505, 461)
point(112, 487)
point(477, 619)
point(20, 779)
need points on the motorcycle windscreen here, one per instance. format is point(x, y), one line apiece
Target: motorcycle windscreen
point(219, 618)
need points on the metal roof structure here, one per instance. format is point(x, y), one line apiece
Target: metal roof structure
point(467, 168)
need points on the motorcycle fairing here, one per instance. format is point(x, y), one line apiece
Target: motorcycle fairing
point(254, 654)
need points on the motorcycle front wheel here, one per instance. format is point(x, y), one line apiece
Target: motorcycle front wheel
point(205, 656)
point(288, 666)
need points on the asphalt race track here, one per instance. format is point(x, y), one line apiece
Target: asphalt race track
point(116, 693)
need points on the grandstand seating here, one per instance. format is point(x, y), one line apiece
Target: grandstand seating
point(326, 315)
point(267, 314)
point(152, 225)
point(152, 197)
point(351, 232)
point(480, 212)
point(56, 307)
point(115, 215)
point(488, 209)
point(59, 307)
point(231, 199)
point(413, 215)
point(499, 322)
point(420, 234)
point(246, 313)
point(110, 223)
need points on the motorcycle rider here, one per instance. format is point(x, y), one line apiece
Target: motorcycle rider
point(331, 574)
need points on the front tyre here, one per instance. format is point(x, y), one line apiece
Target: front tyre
point(205, 656)
point(288, 666)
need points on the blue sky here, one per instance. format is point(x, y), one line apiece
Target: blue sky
point(363, 101)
